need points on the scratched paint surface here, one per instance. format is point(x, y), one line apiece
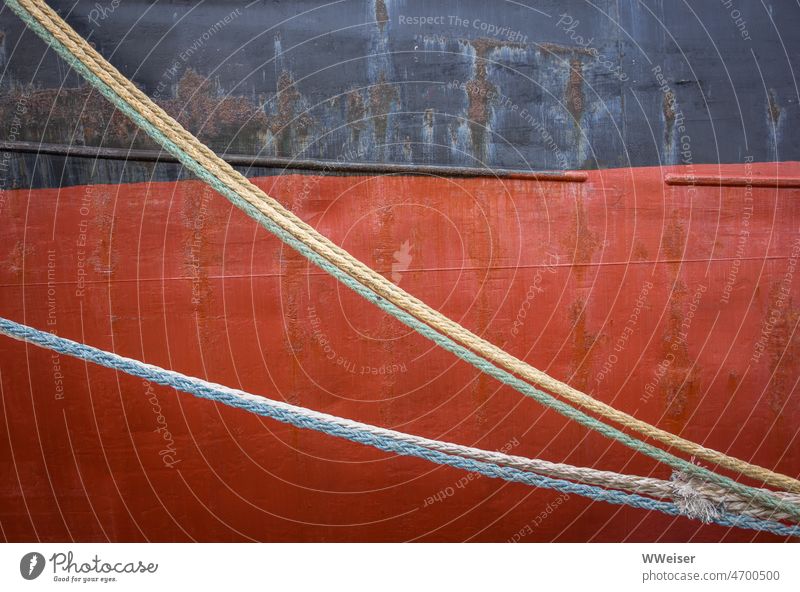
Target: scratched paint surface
point(638, 292)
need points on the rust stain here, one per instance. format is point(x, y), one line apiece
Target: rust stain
point(582, 343)
point(103, 259)
point(293, 272)
point(387, 248)
point(573, 93)
point(428, 118)
point(387, 333)
point(69, 115)
point(784, 348)
point(381, 13)
point(427, 131)
point(681, 383)
point(673, 243)
point(454, 130)
point(294, 267)
point(388, 329)
point(356, 113)
point(479, 90)
point(408, 148)
point(217, 120)
point(480, 394)
point(386, 411)
point(774, 108)
point(480, 390)
point(580, 241)
point(381, 97)
point(82, 116)
point(482, 249)
point(290, 124)
point(668, 108)
point(197, 108)
point(385, 244)
point(733, 381)
point(640, 252)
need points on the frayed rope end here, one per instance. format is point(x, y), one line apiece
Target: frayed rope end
point(690, 501)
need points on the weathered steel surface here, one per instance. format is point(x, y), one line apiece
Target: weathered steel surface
point(677, 304)
point(536, 85)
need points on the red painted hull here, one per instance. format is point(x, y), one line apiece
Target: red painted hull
point(677, 304)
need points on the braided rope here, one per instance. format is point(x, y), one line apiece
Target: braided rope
point(257, 205)
point(690, 493)
point(379, 438)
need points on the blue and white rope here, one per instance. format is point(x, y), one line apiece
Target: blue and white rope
point(307, 419)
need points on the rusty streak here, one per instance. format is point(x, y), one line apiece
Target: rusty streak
point(732, 181)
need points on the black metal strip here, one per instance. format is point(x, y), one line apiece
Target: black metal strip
point(325, 166)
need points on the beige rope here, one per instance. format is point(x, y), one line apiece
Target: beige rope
point(273, 210)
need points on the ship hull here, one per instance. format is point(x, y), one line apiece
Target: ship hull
point(674, 302)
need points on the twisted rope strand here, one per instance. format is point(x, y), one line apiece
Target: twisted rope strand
point(256, 211)
point(360, 433)
point(680, 487)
